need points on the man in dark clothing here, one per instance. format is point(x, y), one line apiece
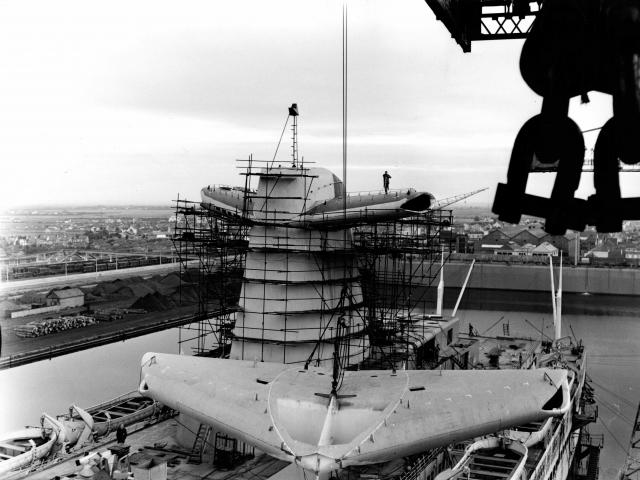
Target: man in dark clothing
point(385, 181)
point(121, 433)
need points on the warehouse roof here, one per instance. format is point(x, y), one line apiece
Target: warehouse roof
point(65, 293)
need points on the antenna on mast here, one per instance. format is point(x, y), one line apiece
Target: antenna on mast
point(344, 104)
point(338, 367)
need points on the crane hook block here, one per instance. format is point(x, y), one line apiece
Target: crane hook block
point(560, 210)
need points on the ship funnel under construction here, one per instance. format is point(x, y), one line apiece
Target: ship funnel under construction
point(298, 282)
point(313, 268)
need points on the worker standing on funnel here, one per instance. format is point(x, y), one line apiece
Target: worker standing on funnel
point(385, 181)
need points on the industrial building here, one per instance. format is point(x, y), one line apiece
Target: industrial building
point(66, 298)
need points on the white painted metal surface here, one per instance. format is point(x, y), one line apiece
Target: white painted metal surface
point(377, 415)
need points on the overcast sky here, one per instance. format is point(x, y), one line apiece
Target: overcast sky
point(126, 102)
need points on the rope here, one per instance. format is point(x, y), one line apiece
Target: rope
point(613, 409)
point(492, 325)
point(279, 141)
point(615, 439)
point(592, 130)
point(614, 394)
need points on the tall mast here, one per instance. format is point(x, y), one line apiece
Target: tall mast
point(553, 297)
point(293, 112)
point(558, 322)
point(346, 291)
point(440, 299)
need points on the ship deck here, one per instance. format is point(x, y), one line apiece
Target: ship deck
point(507, 352)
point(521, 353)
point(159, 442)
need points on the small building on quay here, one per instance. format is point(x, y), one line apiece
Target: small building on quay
point(66, 297)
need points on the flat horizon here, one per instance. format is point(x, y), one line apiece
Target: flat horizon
point(169, 205)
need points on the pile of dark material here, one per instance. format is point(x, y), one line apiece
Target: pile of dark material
point(154, 294)
point(38, 328)
point(155, 302)
point(165, 292)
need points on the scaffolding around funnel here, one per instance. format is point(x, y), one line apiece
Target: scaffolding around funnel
point(257, 276)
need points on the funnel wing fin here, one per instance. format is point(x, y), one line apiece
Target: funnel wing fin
point(439, 408)
point(229, 395)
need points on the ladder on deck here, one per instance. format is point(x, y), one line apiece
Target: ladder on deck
point(491, 467)
point(593, 468)
point(199, 443)
point(505, 329)
point(421, 463)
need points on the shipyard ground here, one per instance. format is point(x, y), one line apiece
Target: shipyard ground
point(162, 302)
point(19, 351)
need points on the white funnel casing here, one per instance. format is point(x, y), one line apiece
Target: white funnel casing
point(298, 282)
